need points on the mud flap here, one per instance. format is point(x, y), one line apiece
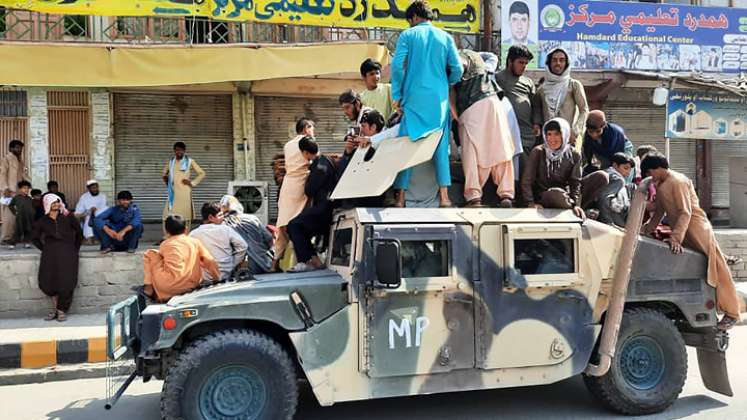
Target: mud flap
point(713, 371)
point(711, 347)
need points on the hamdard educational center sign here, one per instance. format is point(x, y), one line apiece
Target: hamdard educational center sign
point(602, 35)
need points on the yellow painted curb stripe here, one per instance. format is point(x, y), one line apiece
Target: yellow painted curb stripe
point(35, 354)
point(97, 349)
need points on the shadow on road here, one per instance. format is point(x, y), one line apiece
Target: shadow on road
point(147, 407)
point(568, 399)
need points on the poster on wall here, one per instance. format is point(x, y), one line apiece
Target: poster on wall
point(703, 115)
point(601, 35)
point(452, 15)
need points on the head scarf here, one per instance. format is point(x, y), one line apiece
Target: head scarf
point(556, 86)
point(472, 64)
point(233, 204)
point(50, 199)
point(553, 158)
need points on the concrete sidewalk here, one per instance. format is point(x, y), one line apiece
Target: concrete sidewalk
point(35, 343)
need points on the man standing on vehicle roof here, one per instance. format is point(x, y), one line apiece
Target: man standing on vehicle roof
point(676, 197)
point(561, 96)
point(425, 63)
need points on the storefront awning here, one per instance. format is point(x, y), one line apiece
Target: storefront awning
point(65, 65)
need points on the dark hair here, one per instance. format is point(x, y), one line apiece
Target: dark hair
point(24, 183)
point(420, 9)
point(349, 97)
point(14, 143)
point(36, 191)
point(549, 58)
point(519, 51)
point(553, 126)
point(622, 159)
point(302, 123)
point(175, 225)
point(518, 7)
point(374, 117)
point(210, 209)
point(645, 149)
point(308, 144)
point(51, 184)
point(369, 65)
point(654, 160)
point(124, 195)
point(180, 145)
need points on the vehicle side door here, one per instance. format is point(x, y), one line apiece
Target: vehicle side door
point(534, 307)
point(424, 324)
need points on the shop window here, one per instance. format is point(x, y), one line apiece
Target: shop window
point(425, 259)
point(13, 103)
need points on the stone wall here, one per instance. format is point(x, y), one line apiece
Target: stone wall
point(102, 281)
point(734, 242)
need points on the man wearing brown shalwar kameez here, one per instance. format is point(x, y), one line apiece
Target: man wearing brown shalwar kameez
point(676, 197)
point(58, 235)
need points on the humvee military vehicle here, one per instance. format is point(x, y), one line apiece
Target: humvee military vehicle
point(421, 301)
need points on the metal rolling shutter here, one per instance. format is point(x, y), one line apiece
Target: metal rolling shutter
point(644, 123)
point(145, 128)
point(722, 152)
point(275, 124)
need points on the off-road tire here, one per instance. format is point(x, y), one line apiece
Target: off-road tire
point(203, 360)
point(618, 394)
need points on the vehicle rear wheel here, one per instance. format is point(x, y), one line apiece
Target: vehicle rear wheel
point(233, 374)
point(649, 368)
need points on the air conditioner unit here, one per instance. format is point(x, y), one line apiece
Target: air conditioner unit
point(253, 195)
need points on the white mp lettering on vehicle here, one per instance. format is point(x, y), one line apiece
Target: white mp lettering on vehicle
point(403, 329)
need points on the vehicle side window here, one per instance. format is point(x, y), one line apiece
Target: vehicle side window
point(342, 247)
point(544, 256)
point(425, 259)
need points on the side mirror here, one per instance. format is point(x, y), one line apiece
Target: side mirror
point(388, 270)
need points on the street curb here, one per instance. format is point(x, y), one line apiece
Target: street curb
point(46, 353)
point(60, 373)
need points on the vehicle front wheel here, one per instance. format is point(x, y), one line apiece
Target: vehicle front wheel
point(649, 368)
point(232, 374)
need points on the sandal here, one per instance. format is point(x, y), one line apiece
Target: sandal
point(51, 316)
point(726, 323)
point(474, 203)
point(733, 260)
point(61, 316)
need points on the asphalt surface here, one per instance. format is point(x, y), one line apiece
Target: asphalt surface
point(84, 399)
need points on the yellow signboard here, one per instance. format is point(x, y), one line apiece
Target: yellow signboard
point(452, 15)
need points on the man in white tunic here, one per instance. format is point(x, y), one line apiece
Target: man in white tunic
point(223, 242)
point(89, 204)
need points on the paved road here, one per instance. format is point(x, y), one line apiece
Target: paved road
point(84, 400)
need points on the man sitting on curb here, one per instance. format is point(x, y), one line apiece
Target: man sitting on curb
point(119, 228)
point(176, 267)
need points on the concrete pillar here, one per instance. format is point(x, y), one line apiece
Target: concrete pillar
point(38, 138)
point(244, 139)
point(102, 143)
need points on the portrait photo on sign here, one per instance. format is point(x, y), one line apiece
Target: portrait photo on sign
point(519, 22)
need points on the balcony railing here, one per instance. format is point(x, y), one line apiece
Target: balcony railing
point(22, 25)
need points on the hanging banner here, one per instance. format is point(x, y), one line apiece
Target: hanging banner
point(602, 35)
point(698, 115)
point(452, 15)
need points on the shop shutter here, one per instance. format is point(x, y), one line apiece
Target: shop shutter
point(146, 126)
point(721, 152)
point(275, 122)
point(644, 123)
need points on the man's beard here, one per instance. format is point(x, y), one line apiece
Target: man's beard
point(94, 193)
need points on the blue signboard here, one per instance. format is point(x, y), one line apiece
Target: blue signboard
point(602, 35)
point(702, 115)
